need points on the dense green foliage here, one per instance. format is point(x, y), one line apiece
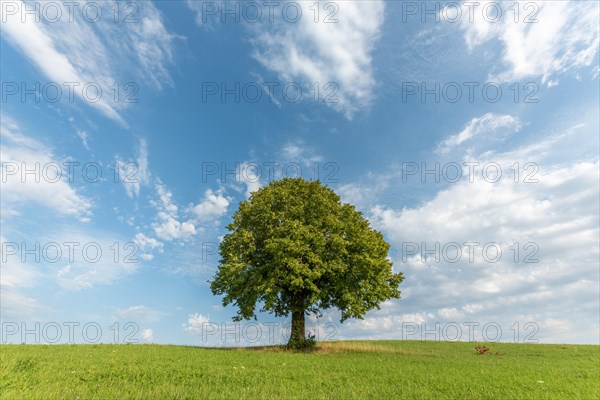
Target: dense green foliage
point(337, 370)
point(295, 248)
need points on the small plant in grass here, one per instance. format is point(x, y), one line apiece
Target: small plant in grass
point(481, 350)
point(25, 365)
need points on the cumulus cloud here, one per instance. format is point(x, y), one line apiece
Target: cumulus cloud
point(544, 220)
point(173, 223)
point(214, 206)
point(147, 335)
point(169, 226)
point(195, 323)
point(147, 245)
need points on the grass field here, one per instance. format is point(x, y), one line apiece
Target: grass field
point(342, 370)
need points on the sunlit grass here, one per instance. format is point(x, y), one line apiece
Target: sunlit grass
point(342, 370)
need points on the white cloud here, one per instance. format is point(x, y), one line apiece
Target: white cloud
point(195, 323)
point(557, 215)
point(15, 273)
point(450, 313)
point(16, 306)
point(204, 12)
point(139, 313)
point(238, 334)
point(152, 45)
point(214, 206)
point(370, 189)
point(295, 159)
point(142, 161)
point(101, 53)
point(381, 326)
point(39, 44)
point(338, 53)
point(565, 37)
point(250, 178)
point(488, 124)
point(83, 135)
point(168, 226)
point(19, 152)
point(66, 256)
point(148, 335)
point(16, 276)
point(335, 53)
point(147, 245)
point(99, 258)
point(134, 174)
point(298, 152)
point(353, 193)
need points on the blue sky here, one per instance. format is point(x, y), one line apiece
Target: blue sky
point(459, 130)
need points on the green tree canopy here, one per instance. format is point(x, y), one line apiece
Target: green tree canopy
point(295, 248)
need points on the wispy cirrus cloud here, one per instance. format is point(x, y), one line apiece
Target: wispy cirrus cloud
point(20, 152)
point(86, 270)
point(335, 52)
point(139, 313)
point(299, 152)
point(339, 52)
point(147, 245)
point(486, 124)
point(135, 173)
point(549, 39)
point(101, 54)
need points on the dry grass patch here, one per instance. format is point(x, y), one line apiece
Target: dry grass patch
point(366, 347)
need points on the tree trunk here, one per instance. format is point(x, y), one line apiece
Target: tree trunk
point(297, 334)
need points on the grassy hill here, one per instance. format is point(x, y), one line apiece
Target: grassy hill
point(342, 370)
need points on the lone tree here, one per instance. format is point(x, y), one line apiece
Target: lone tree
point(295, 248)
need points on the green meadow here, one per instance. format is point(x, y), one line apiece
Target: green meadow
point(338, 370)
